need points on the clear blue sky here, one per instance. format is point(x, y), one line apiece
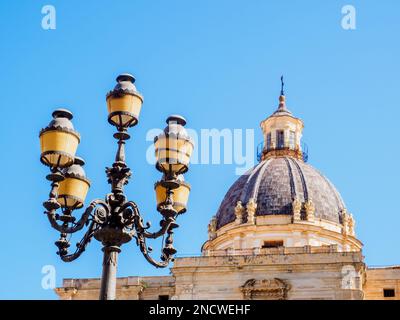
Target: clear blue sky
point(218, 63)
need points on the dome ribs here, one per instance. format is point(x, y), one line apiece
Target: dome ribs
point(303, 180)
point(257, 182)
point(274, 183)
point(292, 184)
point(339, 201)
point(245, 191)
point(225, 212)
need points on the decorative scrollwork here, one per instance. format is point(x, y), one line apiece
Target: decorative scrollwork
point(80, 246)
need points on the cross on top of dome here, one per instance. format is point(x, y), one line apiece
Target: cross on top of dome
point(282, 110)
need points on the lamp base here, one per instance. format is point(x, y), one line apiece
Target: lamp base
point(122, 135)
point(55, 177)
point(170, 184)
point(51, 204)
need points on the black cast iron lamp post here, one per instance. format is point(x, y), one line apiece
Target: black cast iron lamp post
point(115, 220)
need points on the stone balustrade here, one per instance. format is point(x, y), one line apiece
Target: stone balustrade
point(271, 251)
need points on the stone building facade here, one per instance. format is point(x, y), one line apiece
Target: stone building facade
point(282, 231)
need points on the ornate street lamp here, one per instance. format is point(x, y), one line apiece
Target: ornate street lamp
point(115, 220)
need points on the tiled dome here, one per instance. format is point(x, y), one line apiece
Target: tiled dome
point(274, 183)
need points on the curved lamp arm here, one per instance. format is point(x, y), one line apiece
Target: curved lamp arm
point(140, 227)
point(145, 250)
point(80, 246)
point(134, 221)
point(52, 216)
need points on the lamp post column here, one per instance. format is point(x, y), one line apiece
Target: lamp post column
point(109, 275)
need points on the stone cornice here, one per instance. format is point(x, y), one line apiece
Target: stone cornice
point(268, 260)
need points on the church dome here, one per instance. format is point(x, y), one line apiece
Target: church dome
point(282, 201)
point(275, 183)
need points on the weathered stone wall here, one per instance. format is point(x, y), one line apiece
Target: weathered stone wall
point(379, 279)
point(305, 276)
point(302, 275)
point(128, 288)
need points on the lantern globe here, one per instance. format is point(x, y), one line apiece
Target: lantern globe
point(124, 103)
point(180, 195)
point(173, 147)
point(59, 140)
point(74, 188)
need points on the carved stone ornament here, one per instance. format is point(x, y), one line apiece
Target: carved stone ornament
point(239, 210)
point(345, 221)
point(296, 206)
point(265, 289)
point(251, 210)
point(348, 223)
point(212, 228)
point(351, 224)
point(310, 210)
point(187, 289)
